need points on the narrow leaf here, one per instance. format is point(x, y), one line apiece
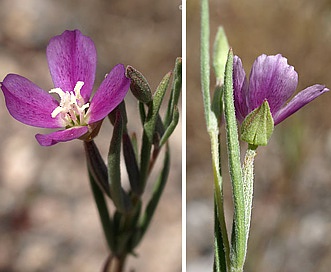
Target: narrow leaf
point(170, 129)
point(117, 193)
point(238, 250)
point(149, 129)
point(96, 166)
point(220, 53)
point(153, 202)
point(131, 163)
point(175, 92)
point(220, 255)
point(106, 222)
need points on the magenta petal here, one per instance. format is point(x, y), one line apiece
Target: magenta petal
point(28, 103)
point(240, 88)
point(110, 94)
point(72, 57)
point(273, 79)
point(61, 136)
point(300, 100)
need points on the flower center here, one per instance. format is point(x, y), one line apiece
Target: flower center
point(72, 109)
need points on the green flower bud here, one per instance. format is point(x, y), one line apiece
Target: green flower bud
point(139, 85)
point(258, 126)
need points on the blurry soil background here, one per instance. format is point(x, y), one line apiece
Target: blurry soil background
point(291, 225)
point(48, 219)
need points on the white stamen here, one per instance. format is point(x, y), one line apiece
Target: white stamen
point(72, 108)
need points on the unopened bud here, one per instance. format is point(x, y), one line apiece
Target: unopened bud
point(139, 85)
point(258, 126)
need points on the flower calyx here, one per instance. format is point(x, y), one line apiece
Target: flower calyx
point(258, 126)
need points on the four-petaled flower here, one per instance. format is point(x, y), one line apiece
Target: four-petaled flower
point(72, 62)
point(271, 80)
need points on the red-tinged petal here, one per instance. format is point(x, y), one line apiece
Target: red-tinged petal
point(110, 94)
point(72, 57)
point(300, 100)
point(61, 136)
point(28, 103)
point(240, 88)
point(272, 79)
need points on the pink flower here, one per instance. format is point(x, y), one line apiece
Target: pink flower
point(72, 62)
point(273, 80)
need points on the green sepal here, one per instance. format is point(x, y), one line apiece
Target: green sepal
point(139, 85)
point(258, 126)
point(220, 55)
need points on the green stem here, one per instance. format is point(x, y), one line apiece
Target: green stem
point(248, 176)
point(114, 264)
point(218, 195)
point(154, 200)
point(213, 131)
point(205, 62)
point(106, 222)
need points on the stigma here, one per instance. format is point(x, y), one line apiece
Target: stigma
point(72, 109)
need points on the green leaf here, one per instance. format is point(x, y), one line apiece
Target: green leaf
point(142, 112)
point(96, 166)
point(134, 142)
point(217, 102)
point(106, 222)
point(170, 129)
point(220, 55)
point(119, 197)
point(238, 250)
point(149, 129)
point(131, 164)
point(154, 106)
point(220, 255)
point(175, 92)
point(153, 202)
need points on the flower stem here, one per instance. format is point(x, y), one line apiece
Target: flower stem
point(114, 264)
point(248, 177)
point(205, 62)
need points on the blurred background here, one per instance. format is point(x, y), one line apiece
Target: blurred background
point(48, 220)
point(291, 224)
